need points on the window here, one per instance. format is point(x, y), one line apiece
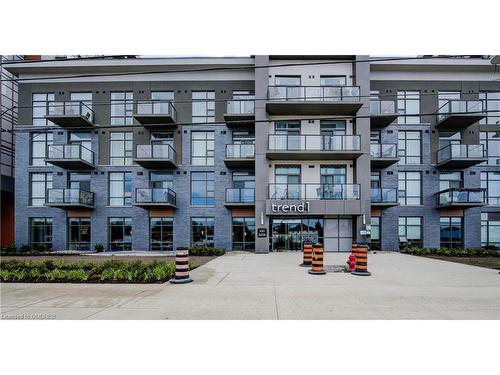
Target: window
point(40, 143)
point(333, 80)
point(162, 96)
point(446, 139)
point(244, 233)
point(79, 233)
point(491, 143)
point(122, 106)
point(161, 180)
point(375, 233)
point(410, 188)
point(451, 232)
point(202, 231)
point(120, 189)
point(120, 233)
point(490, 229)
point(202, 148)
point(41, 103)
point(491, 106)
point(83, 97)
point(450, 180)
point(83, 139)
point(202, 189)
point(409, 107)
point(203, 106)
point(410, 231)
point(287, 80)
point(161, 233)
point(39, 184)
point(491, 182)
point(445, 96)
point(409, 147)
point(287, 182)
point(120, 148)
point(79, 180)
point(41, 232)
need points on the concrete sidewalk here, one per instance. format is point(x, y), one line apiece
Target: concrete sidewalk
point(272, 286)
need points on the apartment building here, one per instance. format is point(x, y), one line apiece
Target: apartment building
point(258, 153)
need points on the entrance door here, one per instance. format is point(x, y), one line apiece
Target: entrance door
point(290, 233)
point(338, 234)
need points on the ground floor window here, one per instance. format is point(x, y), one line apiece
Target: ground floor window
point(490, 229)
point(244, 233)
point(79, 233)
point(451, 232)
point(40, 236)
point(375, 233)
point(410, 231)
point(291, 233)
point(120, 233)
point(202, 231)
point(161, 233)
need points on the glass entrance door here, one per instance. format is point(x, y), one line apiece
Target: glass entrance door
point(290, 233)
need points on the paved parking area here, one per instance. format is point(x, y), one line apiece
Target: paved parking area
point(272, 286)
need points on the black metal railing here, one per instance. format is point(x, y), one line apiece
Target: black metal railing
point(457, 106)
point(314, 191)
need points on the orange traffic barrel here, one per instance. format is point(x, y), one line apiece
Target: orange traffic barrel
point(361, 254)
point(308, 250)
point(317, 260)
point(181, 266)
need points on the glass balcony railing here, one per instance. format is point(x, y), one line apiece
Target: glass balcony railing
point(314, 191)
point(70, 152)
point(69, 197)
point(314, 93)
point(156, 107)
point(383, 150)
point(460, 152)
point(240, 195)
point(155, 151)
point(461, 196)
point(71, 109)
point(314, 142)
point(384, 195)
point(452, 107)
point(240, 151)
point(155, 196)
point(382, 107)
point(240, 107)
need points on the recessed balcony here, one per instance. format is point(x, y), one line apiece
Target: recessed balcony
point(156, 156)
point(240, 155)
point(313, 100)
point(239, 112)
point(460, 156)
point(383, 155)
point(314, 147)
point(456, 115)
point(384, 197)
point(236, 197)
point(155, 198)
point(70, 198)
point(71, 157)
point(70, 114)
point(382, 113)
point(156, 114)
point(461, 198)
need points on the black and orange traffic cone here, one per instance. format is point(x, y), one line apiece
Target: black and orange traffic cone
point(317, 260)
point(361, 254)
point(181, 266)
point(307, 260)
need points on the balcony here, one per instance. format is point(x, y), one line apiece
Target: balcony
point(314, 147)
point(155, 198)
point(70, 114)
point(459, 114)
point(155, 156)
point(382, 113)
point(240, 155)
point(384, 198)
point(156, 114)
point(239, 112)
point(314, 191)
point(70, 198)
point(460, 156)
point(75, 157)
point(383, 155)
point(236, 197)
point(313, 100)
point(461, 198)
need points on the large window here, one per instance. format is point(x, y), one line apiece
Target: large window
point(202, 148)
point(375, 233)
point(202, 189)
point(490, 229)
point(409, 107)
point(491, 106)
point(409, 147)
point(120, 233)
point(202, 231)
point(120, 151)
point(120, 189)
point(40, 143)
point(244, 233)
point(491, 143)
point(451, 230)
point(39, 184)
point(287, 80)
point(41, 103)
point(410, 231)
point(83, 97)
point(161, 233)
point(333, 80)
point(203, 106)
point(122, 107)
point(40, 234)
point(491, 182)
point(450, 180)
point(79, 180)
point(79, 233)
point(410, 188)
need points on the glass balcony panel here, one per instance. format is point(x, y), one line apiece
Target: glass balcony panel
point(245, 195)
point(155, 151)
point(314, 191)
point(314, 93)
point(240, 151)
point(240, 107)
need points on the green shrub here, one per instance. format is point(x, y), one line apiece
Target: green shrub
point(77, 275)
point(99, 247)
point(41, 247)
point(12, 248)
point(26, 248)
point(206, 251)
